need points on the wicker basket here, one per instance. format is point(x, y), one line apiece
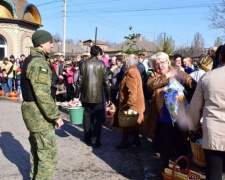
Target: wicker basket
point(127, 120)
point(191, 175)
point(198, 154)
point(13, 94)
point(2, 92)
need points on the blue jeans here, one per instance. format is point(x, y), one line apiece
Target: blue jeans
point(18, 88)
point(9, 84)
point(5, 87)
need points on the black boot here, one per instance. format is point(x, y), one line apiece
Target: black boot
point(137, 141)
point(124, 144)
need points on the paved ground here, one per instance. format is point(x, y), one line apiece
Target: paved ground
point(76, 159)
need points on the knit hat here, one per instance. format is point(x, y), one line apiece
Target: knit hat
point(41, 37)
point(12, 57)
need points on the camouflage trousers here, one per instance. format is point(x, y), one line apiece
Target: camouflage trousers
point(43, 155)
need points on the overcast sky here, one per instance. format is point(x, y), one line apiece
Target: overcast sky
point(180, 19)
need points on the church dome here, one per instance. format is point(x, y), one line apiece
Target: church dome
point(19, 10)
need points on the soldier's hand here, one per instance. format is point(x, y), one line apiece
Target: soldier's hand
point(59, 123)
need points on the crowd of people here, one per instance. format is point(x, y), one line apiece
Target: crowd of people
point(10, 72)
point(144, 86)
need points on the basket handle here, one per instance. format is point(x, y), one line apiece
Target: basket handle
point(176, 162)
point(124, 107)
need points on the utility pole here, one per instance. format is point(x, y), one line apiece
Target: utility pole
point(64, 29)
point(96, 32)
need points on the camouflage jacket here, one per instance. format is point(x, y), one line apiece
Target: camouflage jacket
point(41, 114)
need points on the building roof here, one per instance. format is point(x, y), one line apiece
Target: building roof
point(71, 49)
point(140, 45)
point(19, 10)
point(191, 52)
point(98, 42)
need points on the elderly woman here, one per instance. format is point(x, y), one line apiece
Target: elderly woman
point(209, 102)
point(131, 96)
point(167, 136)
point(205, 64)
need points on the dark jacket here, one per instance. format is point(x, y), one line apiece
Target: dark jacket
point(121, 73)
point(142, 71)
point(92, 81)
point(4, 80)
point(61, 67)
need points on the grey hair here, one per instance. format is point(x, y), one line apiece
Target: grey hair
point(131, 61)
point(114, 58)
point(156, 56)
point(214, 49)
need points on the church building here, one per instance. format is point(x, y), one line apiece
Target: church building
point(18, 21)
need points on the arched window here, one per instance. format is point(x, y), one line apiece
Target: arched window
point(3, 48)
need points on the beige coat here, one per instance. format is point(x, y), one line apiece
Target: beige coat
point(209, 101)
point(7, 67)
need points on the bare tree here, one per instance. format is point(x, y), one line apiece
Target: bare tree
point(57, 38)
point(70, 41)
point(165, 44)
point(218, 42)
point(144, 38)
point(110, 43)
point(216, 15)
point(182, 46)
point(198, 41)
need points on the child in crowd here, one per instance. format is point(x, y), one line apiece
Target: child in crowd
point(18, 76)
point(4, 80)
point(68, 72)
point(75, 74)
point(61, 94)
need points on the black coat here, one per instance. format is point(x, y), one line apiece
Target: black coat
point(92, 81)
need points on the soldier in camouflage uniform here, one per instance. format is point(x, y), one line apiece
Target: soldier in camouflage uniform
point(39, 111)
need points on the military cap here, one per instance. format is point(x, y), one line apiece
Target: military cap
point(41, 37)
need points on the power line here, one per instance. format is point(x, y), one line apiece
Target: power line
point(98, 22)
point(100, 16)
point(49, 3)
point(108, 21)
point(144, 15)
point(174, 5)
point(99, 2)
point(188, 6)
